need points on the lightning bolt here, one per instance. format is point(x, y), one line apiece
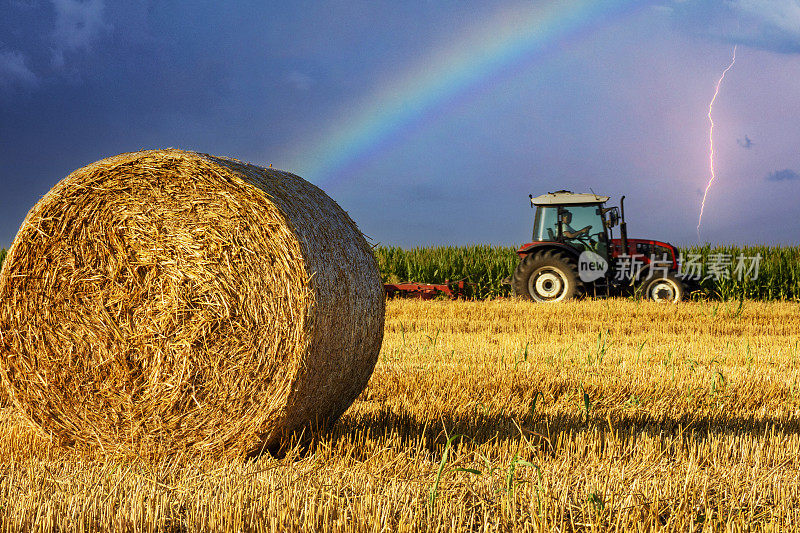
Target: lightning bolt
point(711, 141)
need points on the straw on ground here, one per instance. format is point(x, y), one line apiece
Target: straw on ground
point(594, 415)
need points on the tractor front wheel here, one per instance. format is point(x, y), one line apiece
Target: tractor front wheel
point(546, 277)
point(665, 288)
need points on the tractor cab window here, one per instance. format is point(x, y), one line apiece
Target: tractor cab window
point(582, 226)
point(545, 225)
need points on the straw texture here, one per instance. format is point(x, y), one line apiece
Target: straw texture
point(184, 302)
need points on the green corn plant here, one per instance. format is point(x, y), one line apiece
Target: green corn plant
point(512, 468)
point(532, 410)
point(587, 403)
point(434, 492)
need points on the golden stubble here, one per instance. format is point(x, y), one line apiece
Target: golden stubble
point(593, 415)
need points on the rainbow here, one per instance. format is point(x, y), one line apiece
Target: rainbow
point(509, 38)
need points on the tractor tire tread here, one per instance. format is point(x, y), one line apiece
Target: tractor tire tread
point(525, 268)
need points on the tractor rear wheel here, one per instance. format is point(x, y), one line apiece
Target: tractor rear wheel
point(548, 276)
point(664, 288)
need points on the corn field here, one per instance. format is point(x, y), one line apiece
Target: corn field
point(778, 276)
point(483, 265)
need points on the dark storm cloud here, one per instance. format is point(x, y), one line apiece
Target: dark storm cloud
point(48, 39)
point(772, 25)
point(14, 70)
point(78, 24)
point(745, 143)
point(783, 175)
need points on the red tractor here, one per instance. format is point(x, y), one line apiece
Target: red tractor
point(572, 254)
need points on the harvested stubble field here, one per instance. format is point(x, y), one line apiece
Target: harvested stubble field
point(590, 415)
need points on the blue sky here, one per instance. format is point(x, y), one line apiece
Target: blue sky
point(617, 104)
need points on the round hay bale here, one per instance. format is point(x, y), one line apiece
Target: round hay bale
point(185, 302)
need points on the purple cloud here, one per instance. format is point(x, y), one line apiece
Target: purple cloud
point(772, 25)
point(783, 175)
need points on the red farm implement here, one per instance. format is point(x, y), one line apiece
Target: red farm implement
point(426, 291)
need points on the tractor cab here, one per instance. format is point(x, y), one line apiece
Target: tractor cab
point(576, 220)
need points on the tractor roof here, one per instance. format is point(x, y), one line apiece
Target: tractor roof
point(568, 197)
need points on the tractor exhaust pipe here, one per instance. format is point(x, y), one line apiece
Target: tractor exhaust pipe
point(623, 227)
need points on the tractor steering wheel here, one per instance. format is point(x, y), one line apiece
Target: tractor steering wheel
point(583, 232)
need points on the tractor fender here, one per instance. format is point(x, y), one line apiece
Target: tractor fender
point(535, 247)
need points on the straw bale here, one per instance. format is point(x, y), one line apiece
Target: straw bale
point(188, 303)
